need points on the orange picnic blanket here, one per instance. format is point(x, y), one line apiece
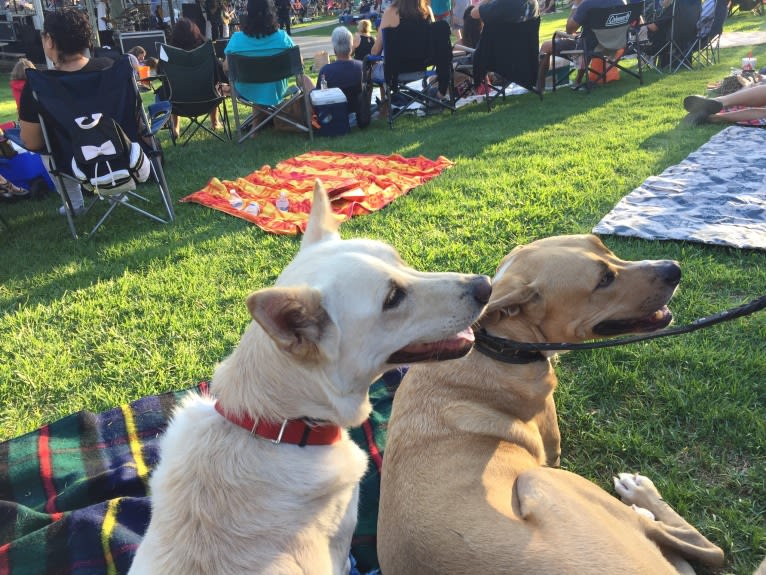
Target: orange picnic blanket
point(356, 183)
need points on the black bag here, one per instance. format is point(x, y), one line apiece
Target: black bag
point(104, 160)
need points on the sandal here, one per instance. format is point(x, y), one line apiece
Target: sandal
point(11, 192)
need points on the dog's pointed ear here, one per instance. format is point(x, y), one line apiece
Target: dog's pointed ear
point(293, 317)
point(323, 223)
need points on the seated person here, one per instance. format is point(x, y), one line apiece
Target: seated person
point(261, 36)
point(299, 9)
point(746, 106)
point(66, 38)
point(345, 73)
point(654, 36)
point(19, 79)
point(363, 39)
point(187, 36)
point(506, 10)
point(400, 10)
point(468, 39)
point(136, 56)
point(580, 10)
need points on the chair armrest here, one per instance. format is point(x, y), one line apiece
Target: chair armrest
point(565, 35)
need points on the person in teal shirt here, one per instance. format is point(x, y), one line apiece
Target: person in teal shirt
point(261, 36)
point(442, 10)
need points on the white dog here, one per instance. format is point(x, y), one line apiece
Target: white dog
point(261, 477)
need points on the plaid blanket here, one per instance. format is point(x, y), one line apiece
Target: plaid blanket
point(73, 494)
point(356, 184)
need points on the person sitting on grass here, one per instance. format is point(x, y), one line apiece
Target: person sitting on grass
point(746, 106)
point(345, 73)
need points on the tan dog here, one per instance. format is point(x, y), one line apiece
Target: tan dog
point(466, 485)
point(261, 477)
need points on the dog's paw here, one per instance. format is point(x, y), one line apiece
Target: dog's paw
point(635, 489)
point(645, 512)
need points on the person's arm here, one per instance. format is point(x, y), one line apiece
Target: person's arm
point(572, 26)
point(577, 14)
point(32, 136)
point(388, 21)
point(357, 41)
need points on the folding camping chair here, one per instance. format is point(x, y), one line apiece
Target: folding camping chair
point(112, 92)
point(414, 53)
point(507, 53)
point(746, 6)
point(284, 65)
point(189, 83)
point(704, 50)
point(653, 48)
point(686, 15)
point(604, 36)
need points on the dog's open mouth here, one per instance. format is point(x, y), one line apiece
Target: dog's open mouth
point(658, 320)
point(453, 347)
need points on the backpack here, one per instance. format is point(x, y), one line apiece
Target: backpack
point(104, 159)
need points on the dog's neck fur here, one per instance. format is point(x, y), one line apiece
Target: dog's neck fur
point(518, 393)
point(248, 383)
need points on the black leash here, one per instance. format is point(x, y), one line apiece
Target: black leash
point(518, 352)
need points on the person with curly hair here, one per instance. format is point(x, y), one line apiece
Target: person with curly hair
point(66, 37)
point(261, 36)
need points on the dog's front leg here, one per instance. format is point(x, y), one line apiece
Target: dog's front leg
point(549, 430)
point(340, 544)
point(673, 533)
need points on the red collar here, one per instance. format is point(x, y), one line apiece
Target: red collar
point(300, 432)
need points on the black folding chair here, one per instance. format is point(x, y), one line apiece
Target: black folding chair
point(686, 15)
point(653, 47)
point(755, 6)
point(605, 35)
point(507, 53)
point(704, 49)
point(284, 65)
point(189, 81)
point(414, 53)
point(112, 92)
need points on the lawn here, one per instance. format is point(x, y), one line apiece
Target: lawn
point(142, 308)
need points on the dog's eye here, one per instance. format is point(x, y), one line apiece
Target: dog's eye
point(606, 279)
point(394, 297)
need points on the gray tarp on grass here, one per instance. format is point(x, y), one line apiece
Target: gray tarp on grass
point(717, 195)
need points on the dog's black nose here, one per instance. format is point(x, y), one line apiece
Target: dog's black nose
point(670, 272)
point(481, 288)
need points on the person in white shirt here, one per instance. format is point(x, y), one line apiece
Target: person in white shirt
point(104, 23)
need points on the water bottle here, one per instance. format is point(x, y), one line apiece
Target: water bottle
point(323, 83)
point(282, 203)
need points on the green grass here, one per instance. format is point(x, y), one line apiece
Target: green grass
point(142, 308)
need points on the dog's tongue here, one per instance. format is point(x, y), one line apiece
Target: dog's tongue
point(453, 347)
